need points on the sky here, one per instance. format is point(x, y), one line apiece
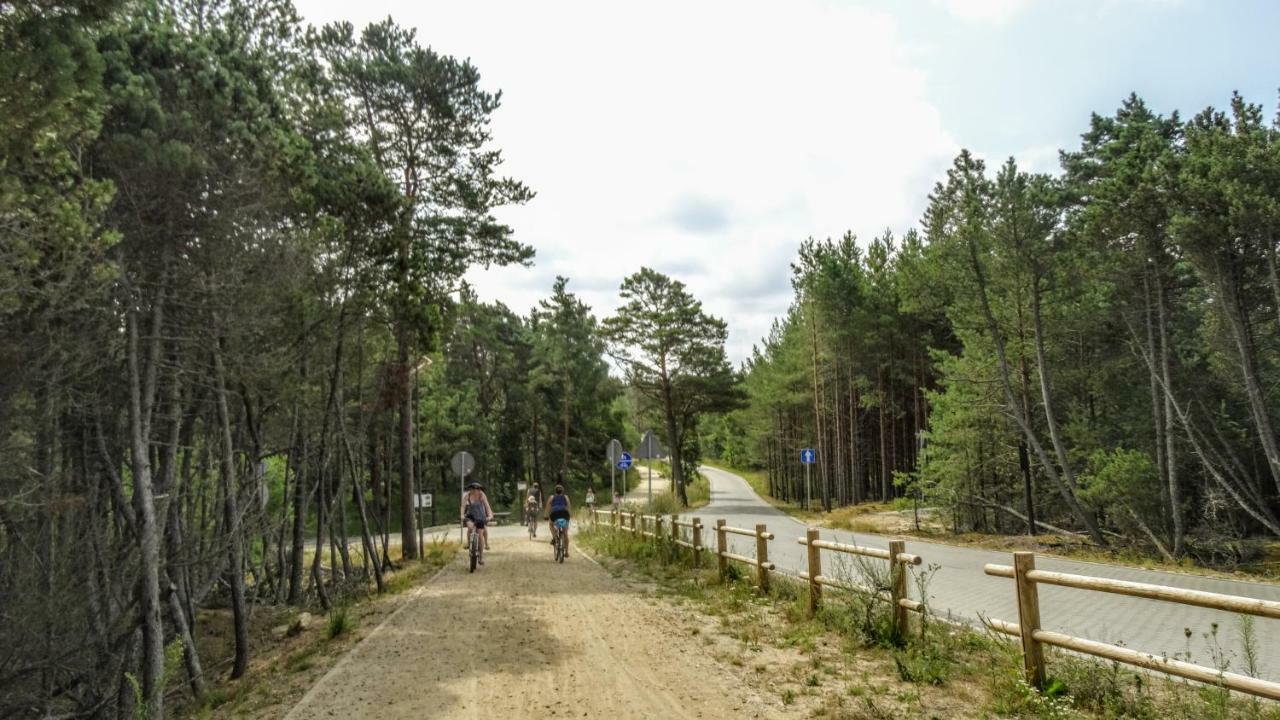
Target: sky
point(707, 138)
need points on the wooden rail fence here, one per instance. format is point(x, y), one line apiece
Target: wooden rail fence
point(896, 594)
point(1033, 638)
point(1023, 572)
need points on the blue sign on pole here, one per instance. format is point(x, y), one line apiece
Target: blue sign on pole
point(624, 463)
point(808, 456)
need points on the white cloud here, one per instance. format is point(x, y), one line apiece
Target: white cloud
point(988, 11)
point(703, 139)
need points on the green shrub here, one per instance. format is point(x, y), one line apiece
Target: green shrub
point(340, 622)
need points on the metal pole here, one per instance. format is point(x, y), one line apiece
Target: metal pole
point(807, 486)
point(462, 493)
point(613, 486)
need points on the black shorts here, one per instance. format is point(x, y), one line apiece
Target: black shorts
point(557, 514)
point(478, 523)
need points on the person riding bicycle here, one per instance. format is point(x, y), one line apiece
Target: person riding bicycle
point(531, 514)
point(476, 512)
point(558, 507)
point(591, 499)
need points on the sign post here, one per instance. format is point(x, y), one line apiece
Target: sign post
point(624, 464)
point(614, 453)
point(420, 501)
point(807, 457)
point(462, 464)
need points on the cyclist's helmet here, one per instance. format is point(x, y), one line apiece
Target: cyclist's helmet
point(475, 486)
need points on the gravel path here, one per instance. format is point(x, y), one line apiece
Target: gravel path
point(525, 637)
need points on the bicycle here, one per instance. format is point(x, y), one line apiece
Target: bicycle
point(531, 520)
point(475, 547)
point(561, 530)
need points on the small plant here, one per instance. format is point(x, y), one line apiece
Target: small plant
point(788, 697)
point(340, 622)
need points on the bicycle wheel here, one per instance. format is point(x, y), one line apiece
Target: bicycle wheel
point(560, 547)
point(475, 548)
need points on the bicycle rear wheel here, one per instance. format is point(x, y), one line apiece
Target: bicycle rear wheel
point(475, 549)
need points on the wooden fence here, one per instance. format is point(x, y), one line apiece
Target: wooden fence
point(1033, 638)
point(1023, 572)
point(896, 594)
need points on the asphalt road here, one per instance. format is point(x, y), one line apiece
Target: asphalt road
point(960, 588)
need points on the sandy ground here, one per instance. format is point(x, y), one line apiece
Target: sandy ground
point(524, 637)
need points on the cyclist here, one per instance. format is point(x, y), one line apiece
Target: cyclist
point(591, 499)
point(531, 514)
point(476, 513)
point(558, 506)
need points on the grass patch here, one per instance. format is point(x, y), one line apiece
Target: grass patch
point(340, 622)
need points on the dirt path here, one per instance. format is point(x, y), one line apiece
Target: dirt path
point(661, 484)
point(525, 638)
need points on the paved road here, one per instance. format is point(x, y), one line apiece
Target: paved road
point(961, 588)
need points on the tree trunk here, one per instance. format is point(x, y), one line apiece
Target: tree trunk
point(1171, 455)
point(817, 415)
point(408, 527)
point(885, 476)
point(673, 439)
point(1157, 408)
point(141, 395)
point(231, 512)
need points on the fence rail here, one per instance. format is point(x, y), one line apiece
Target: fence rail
point(896, 594)
point(1028, 630)
point(1023, 572)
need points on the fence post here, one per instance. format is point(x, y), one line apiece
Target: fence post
point(1029, 618)
point(675, 529)
point(898, 586)
point(815, 569)
point(762, 558)
point(697, 541)
point(633, 522)
point(657, 528)
point(722, 547)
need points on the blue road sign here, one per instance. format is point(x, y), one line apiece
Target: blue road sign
point(625, 462)
point(808, 456)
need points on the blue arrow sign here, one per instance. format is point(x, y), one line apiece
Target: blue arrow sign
point(624, 463)
point(808, 456)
